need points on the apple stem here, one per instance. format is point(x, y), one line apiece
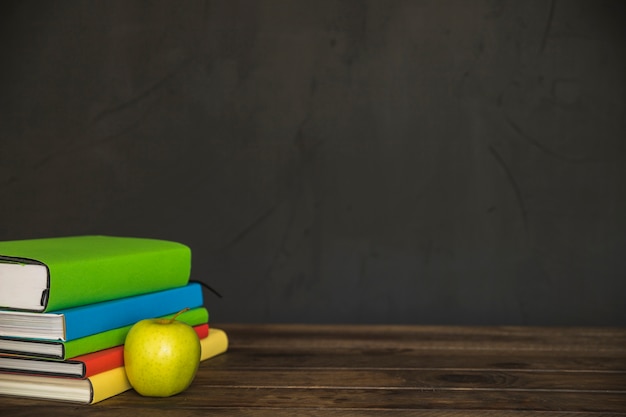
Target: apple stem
point(178, 314)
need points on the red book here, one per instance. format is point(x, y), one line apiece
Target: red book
point(82, 366)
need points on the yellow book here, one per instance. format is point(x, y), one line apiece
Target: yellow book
point(95, 388)
point(214, 344)
point(107, 384)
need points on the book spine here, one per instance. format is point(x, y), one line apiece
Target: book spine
point(107, 359)
point(96, 318)
point(112, 276)
point(117, 337)
point(102, 361)
point(108, 384)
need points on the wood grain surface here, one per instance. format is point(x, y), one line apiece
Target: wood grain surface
point(340, 370)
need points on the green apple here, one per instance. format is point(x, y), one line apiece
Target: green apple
point(161, 356)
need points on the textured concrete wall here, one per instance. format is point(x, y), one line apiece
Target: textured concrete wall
point(333, 161)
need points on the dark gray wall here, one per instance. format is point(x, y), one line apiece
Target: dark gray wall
point(333, 161)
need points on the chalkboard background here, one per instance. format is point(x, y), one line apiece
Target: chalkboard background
point(433, 162)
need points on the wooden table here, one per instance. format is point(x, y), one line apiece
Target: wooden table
point(306, 370)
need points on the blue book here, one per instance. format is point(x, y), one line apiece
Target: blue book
point(77, 322)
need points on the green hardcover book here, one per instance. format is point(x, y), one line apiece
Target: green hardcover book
point(48, 349)
point(56, 273)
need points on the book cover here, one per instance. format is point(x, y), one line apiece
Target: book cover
point(97, 387)
point(77, 322)
point(69, 349)
point(82, 366)
point(56, 273)
point(215, 343)
point(85, 391)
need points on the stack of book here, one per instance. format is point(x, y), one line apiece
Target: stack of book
point(67, 303)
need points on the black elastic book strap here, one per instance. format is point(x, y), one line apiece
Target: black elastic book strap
point(208, 287)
